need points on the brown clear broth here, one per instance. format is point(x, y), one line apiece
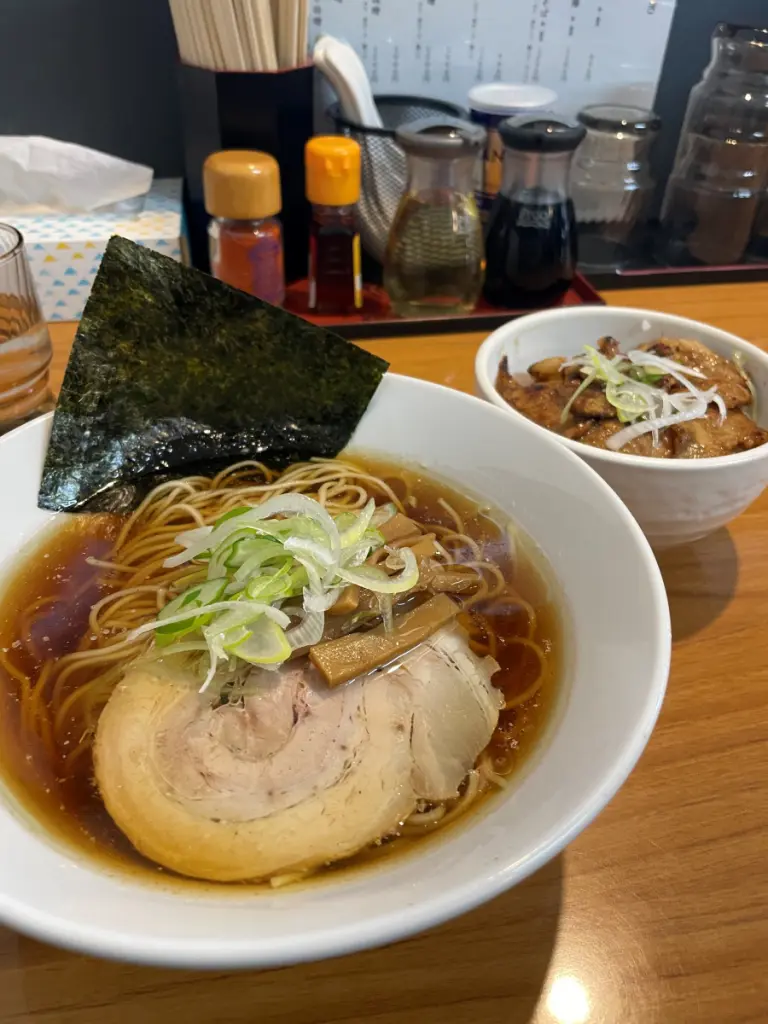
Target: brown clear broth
point(66, 801)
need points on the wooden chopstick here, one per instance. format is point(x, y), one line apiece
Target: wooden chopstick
point(292, 33)
point(247, 22)
point(185, 36)
point(287, 27)
point(215, 45)
point(241, 35)
point(197, 17)
point(229, 35)
point(249, 56)
point(265, 27)
point(301, 39)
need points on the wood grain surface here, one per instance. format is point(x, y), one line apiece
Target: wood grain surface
point(657, 914)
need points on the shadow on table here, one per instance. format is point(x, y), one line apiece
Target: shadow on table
point(700, 579)
point(489, 965)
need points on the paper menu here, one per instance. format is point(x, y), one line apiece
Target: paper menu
point(586, 50)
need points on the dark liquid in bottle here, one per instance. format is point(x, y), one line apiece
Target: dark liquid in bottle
point(334, 270)
point(531, 252)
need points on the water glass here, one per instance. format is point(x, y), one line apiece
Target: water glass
point(25, 345)
point(612, 186)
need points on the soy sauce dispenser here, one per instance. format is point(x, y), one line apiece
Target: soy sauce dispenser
point(530, 237)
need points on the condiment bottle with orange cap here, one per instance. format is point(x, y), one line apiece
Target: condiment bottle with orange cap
point(332, 165)
point(243, 198)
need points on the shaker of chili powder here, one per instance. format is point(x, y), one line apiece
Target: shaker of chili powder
point(242, 195)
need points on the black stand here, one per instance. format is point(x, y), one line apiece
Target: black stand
point(269, 111)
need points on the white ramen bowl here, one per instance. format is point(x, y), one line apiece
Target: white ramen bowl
point(598, 730)
point(676, 501)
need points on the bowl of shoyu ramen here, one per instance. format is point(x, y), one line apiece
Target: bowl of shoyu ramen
point(669, 411)
point(275, 715)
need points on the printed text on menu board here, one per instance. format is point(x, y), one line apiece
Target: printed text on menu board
point(586, 50)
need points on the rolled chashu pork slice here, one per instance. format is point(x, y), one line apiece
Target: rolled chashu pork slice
point(299, 776)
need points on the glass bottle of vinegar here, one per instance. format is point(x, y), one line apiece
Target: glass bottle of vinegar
point(435, 259)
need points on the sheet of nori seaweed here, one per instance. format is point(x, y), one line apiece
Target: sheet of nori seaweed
point(172, 370)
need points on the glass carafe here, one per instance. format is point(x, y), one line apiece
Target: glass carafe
point(25, 345)
point(721, 168)
point(435, 258)
point(611, 184)
point(530, 238)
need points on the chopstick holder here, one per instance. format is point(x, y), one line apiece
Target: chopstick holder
point(268, 111)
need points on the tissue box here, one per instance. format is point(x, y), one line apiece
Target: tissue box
point(65, 250)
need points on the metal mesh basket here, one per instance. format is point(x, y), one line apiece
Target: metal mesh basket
point(383, 161)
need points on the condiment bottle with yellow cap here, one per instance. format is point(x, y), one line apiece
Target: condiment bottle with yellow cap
point(242, 195)
point(333, 187)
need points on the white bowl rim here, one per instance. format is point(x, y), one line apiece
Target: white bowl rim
point(385, 927)
point(488, 386)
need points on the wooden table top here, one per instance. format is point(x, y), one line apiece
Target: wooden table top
point(656, 914)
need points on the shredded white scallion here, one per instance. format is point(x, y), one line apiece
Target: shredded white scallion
point(629, 382)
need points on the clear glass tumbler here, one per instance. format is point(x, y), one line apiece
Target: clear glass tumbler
point(612, 186)
point(25, 345)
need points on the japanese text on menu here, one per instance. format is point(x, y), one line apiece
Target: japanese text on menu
point(443, 47)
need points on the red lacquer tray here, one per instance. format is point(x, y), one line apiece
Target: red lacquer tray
point(376, 320)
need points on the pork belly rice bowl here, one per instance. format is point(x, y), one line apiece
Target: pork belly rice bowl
point(673, 417)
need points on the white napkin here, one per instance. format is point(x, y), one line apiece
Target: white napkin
point(42, 175)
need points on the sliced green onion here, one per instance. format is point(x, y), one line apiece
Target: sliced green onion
point(383, 514)
point(372, 578)
point(645, 374)
point(265, 645)
point(605, 369)
point(662, 365)
point(581, 388)
point(287, 582)
point(260, 557)
point(263, 552)
point(170, 627)
point(320, 554)
point(630, 399)
point(687, 407)
point(308, 632)
point(354, 533)
point(630, 387)
point(231, 514)
point(219, 606)
point(185, 647)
